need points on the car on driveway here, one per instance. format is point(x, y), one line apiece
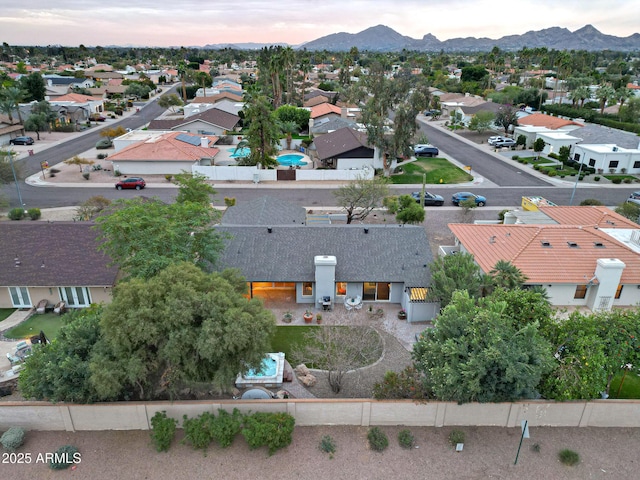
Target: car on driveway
point(505, 142)
point(462, 196)
point(425, 150)
point(430, 199)
point(634, 198)
point(495, 138)
point(132, 182)
point(22, 141)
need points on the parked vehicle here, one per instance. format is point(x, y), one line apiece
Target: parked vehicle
point(22, 141)
point(432, 112)
point(425, 150)
point(95, 117)
point(462, 196)
point(634, 198)
point(430, 199)
point(104, 143)
point(495, 138)
point(505, 142)
point(131, 182)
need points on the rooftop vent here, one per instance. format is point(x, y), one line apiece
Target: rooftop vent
point(492, 239)
point(598, 244)
point(572, 244)
point(366, 230)
point(545, 243)
point(269, 229)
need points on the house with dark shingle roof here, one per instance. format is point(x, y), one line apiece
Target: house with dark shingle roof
point(54, 262)
point(583, 256)
point(210, 122)
point(270, 243)
point(346, 148)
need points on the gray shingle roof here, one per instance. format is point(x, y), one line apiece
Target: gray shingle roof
point(339, 142)
point(68, 252)
point(264, 211)
point(387, 253)
point(596, 134)
point(214, 116)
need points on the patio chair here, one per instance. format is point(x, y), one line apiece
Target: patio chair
point(59, 308)
point(42, 306)
point(13, 360)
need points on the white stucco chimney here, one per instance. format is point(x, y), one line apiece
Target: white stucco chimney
point(325, 276)
point(608, 272)
point(204, 142)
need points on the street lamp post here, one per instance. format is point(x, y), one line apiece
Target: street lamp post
point(15, 178)
point(575, 185)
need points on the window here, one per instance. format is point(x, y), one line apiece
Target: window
point(576, 157)
point(636, 164)
point(75, 297)
point(581, 291)
point(619, 292)
point(20, 297)
point(592, 162)
point(613, 164)
point(307, 289)
point(341, 289)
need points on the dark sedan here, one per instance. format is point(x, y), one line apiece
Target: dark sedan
point(22, 141)
point(430, 199)
point(462, 196)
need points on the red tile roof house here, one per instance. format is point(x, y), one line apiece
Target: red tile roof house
point(165, 154)
point(583, 256)
point(54, 262)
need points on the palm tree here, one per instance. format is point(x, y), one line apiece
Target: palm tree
point(623, 94)
point(604, 94)
point(289, 128)
point(13, 95)
point(506, 275)
point(582, 93)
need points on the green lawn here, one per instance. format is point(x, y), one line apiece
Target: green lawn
point(49, 323)
point(438, 170)
point(286, 338)
point(630, 387)
point(621, 177)
point(5, 312)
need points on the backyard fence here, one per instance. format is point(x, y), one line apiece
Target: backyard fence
point(313, 412)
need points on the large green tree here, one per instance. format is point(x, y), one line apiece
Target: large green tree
point(474, 353)
point(145, 236)
point(263, 134)
point(361, 196)
point(506, 117)
point(59, 371)
point(181, 326)
point(454, 272)
point(194, 188)
point(34, 86)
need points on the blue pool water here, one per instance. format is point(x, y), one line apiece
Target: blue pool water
point(241, 152)
point(291, 160)
point(268, 369)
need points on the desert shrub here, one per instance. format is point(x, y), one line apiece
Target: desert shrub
point(391, 204)
point(456, 437)
point(406, 439)
point(102, 156)
point(34, 213)
point(590, 201)
point(553, 155)
point(581, 177)
point(536, 447)
point(225, 427)
point(617, 181)
point(16, 214)
point(552, 173)
point(168, 177)
point(117, 173)
point(63, 457)
point(53, 171)
point(197, 431)
point(409, 383)
point(229, 201)
point(328, 445)
point(596, 178)
point(273, 430)
point(163, 429)
point(516, 157)
point(12, 439)
point(627, 180)
point(536, 166)
point(568, 457)
point(378, 440)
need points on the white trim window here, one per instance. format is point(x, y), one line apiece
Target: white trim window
point(75, 297)
point(20, 297)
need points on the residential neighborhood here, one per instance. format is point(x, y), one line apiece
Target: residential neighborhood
point(252, 228)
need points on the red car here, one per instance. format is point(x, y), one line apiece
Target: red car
point(132, 182)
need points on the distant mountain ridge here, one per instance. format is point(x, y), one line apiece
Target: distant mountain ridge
point(384, 39)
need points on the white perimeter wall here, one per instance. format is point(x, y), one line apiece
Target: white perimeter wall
point(360, 412)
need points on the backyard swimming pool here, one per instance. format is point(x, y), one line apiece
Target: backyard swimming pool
point(241, 152)
point(291, 160)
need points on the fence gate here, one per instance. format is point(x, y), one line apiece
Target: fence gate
point(289, 174)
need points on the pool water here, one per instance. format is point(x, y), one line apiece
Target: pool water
point(241, 152)
point(268, 369)
point(291, 160)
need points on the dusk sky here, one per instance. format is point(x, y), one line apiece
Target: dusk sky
point(197, 23)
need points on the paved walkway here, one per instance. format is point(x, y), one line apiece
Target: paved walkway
point(9, 346)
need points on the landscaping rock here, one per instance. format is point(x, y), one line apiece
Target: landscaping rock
point(307, 380)
point(302, 370)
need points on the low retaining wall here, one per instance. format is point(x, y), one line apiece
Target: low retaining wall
point(312, 412)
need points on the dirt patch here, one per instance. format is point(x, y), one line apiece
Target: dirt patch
point(606, 453)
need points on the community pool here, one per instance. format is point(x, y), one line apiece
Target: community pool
point(291, 160)
point(240, 152)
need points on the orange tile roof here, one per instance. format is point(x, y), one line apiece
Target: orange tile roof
point(75, 97)
point(544, 252)
point(166, 148)
point(324, 109)
point(596, 216)
point(542, 120)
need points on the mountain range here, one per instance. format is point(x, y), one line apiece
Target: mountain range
point(384, 39)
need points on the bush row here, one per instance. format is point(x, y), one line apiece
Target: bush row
point(19, 213)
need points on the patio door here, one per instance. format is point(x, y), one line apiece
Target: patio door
point(20, 297)
point(376, 291)
point(75, 297)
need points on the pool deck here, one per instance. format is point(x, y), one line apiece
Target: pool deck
point(224, 158)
